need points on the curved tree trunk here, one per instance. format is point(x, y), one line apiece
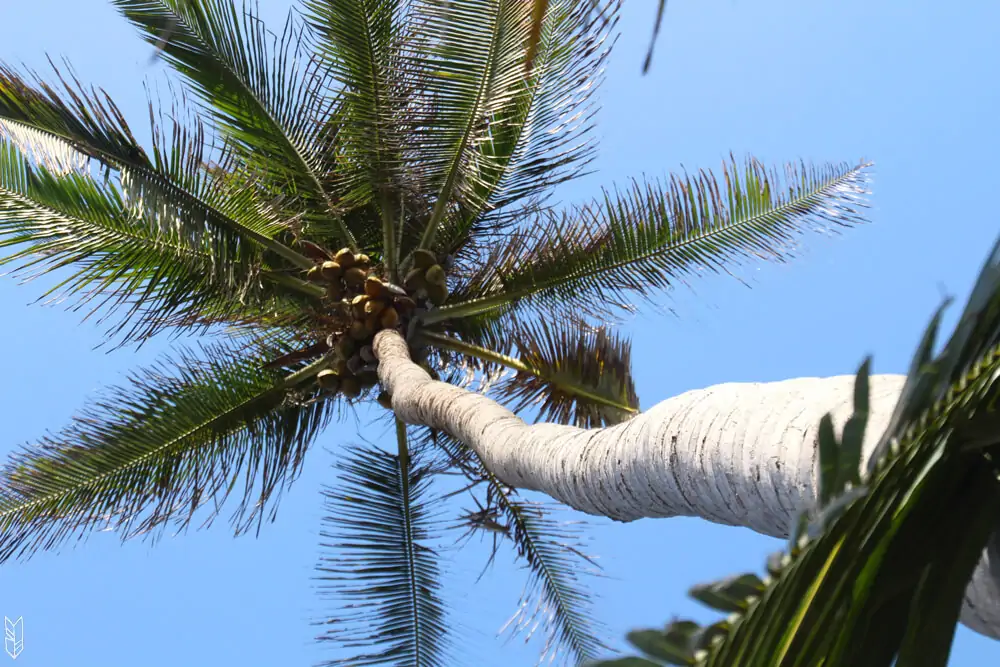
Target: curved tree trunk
point(739, 454)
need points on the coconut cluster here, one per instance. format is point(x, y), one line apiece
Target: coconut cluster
point(363, 304)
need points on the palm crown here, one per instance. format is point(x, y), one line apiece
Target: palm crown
point(379, 164)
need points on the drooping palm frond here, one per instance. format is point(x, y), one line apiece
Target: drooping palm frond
point(66, 132)
point(539, 137)
point(570, 373)
point(380, 522)
point(632, 243)
point(263, 97)
point(181, 434)
point(555, 597)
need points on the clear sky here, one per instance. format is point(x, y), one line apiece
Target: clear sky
point(910, 84)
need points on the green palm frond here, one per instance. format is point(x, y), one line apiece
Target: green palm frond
point(569, 373)
point(359, 42)
point(179, 435)
point(266, 101)
point(539, 137)
point(380, 523)
point(67, 132)
point(121, 263)
point(473, 55)
point(635, 242)
point(555, 596)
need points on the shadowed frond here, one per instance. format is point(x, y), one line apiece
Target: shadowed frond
point(380, 522)
point(570, 373)
point(540, 136)
point(267, 100)
point(632, 243)
point(179, 435)
point(555, 597)
point(144, 274)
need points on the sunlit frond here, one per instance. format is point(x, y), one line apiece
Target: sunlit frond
point(628, 245)
point(265, 95)
point(539, 136)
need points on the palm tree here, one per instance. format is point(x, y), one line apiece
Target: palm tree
point(365, 198)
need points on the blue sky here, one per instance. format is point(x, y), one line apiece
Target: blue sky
point(908, 84)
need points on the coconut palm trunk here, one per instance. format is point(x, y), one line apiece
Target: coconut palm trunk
point(741, 454)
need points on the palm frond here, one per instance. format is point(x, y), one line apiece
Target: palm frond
point(68, 132)
point(380, 522)
point(540, 136)
point(473, 53)
point(179, 435)
point(359, 42)
point(570, 373)
point(555, 596)
point(145, 274)
point(264, 98)
point(632, 243)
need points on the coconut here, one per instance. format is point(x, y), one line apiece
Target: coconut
point(358, 305)
point(363, 260)
point(373, 307)
point(331, 270)
point(435, 275)
point(350, 386)
point(438, 294)
point(367, 354)
point(375, 288)
point(345, 258)
point(355, 276)
point(340, 367)
point(328, 380)
point(359, 331)
point(424, 259)
point(414, 280)
point(335, 291)
point(372, 323)
point(314, 274)
point(389, 319)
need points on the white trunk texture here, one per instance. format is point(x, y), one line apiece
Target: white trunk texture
point(743, 454)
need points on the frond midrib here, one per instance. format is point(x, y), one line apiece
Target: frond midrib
point(488, 303)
